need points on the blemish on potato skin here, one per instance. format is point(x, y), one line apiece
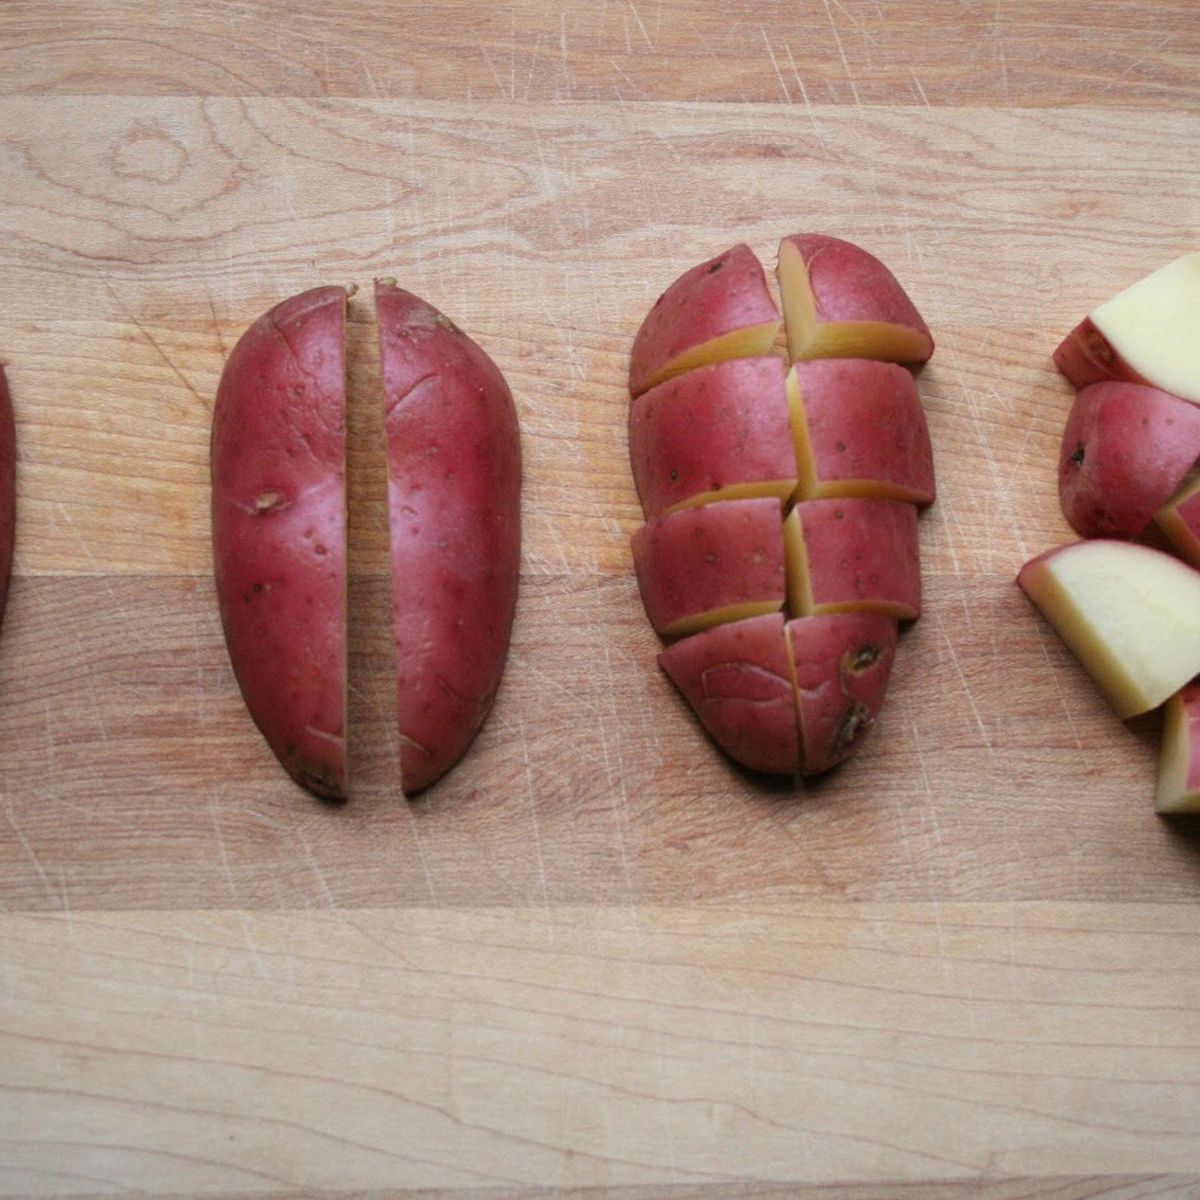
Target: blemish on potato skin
point(1076, 459)
point(267, 502)
point(856, 720)
point(864, 657)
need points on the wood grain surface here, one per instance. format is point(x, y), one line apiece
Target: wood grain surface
point(597, 959)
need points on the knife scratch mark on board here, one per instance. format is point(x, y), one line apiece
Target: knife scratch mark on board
point(774, 63)
point(837, 37)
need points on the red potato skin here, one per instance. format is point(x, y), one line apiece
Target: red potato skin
point(705, 558)
point(737, 679)
point(851, 284)
point(278, 523)
point(710, 428)
point(454, 501)
point(724, 294)
point(863, 552)
point(842, 665)
point(1189, 697)
point(1086, 356)
point(1125, 450)
point(865, 422)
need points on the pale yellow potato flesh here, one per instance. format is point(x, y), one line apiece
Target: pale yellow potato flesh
point(1154, 325)
point(776, 489)
point(795, 559)
point(1131, 615)
point(754, 341)
point(809, 486)
point(809, 338)
point(1176, 528)
point(698, 622)
point(1172, 794)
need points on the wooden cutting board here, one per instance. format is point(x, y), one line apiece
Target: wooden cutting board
point(597, 955)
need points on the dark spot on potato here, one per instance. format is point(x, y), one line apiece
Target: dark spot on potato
point(674, 475)
point(321, 549)
point(864, 657)
point(714, 267)
point(267, 502)
point(447, 324)
point(840, 446)
point(855, 721)
point(838, 514)
point(1077, 457)
point(710, 557)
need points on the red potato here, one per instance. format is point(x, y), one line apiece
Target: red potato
point(1125, 450)
point(719, 432)
point(841, 666)
point(8, 490)
point(853, 555)
point(707, 565)
point(1179, 519)
point(839, 301)
point(454, 497)
point(279, 530)
point(718, 310)
point(860, 431)
point(1145, 334)
point(1178, 788)
point(738, 680)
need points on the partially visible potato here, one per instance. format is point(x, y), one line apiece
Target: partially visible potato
point(8, 490)
point(1125, 450)
point(454, 501)
point(279, 530)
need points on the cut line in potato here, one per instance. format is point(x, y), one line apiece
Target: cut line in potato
point(853, 555)
point(859, 430)
point(839, 301)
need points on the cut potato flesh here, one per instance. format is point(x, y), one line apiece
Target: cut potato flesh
point(859, 310)
point(1130, 614)
point(1155, 327)
point(751, 342)
point(853, 555)
point(1179, 761)
point(1179, 519)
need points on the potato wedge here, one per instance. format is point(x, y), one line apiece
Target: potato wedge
point(454, 498)
point(279, 530)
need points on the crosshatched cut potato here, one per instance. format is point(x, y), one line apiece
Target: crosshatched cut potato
point(730, 449)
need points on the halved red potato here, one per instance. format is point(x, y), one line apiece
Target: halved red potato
point(853, 555)
point(860, 431)
point(720, 432)
point(839, 301)
point(454, 499)
point(708, 565)
point(718, 310)
point(1125, 450)
point(8, 490)
point(279, 530)
point(1145, 334)
point(841, 665)
point(738, 680)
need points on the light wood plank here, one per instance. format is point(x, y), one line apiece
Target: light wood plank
point(215, 1052)
point(850, 52)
